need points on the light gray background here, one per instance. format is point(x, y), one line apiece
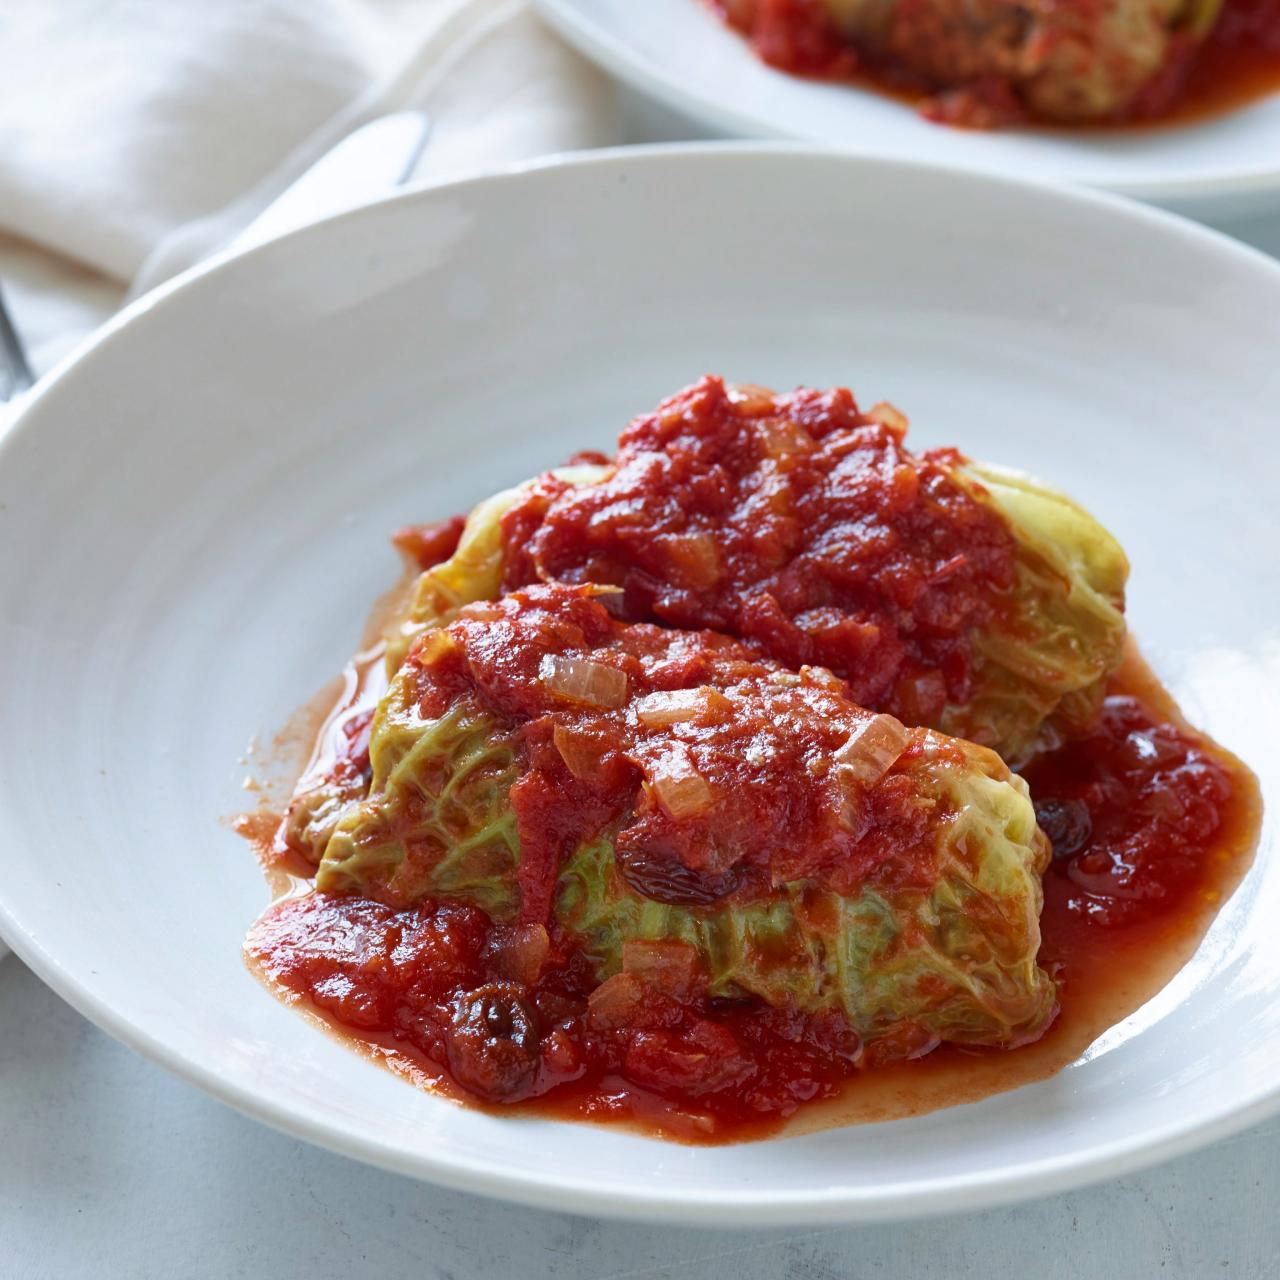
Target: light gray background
point(111, 1168)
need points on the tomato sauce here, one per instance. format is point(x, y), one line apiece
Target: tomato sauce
point(721, 758)
point(1236, 64)
point(797, 522)
point(475, 1009)
point(716, 499)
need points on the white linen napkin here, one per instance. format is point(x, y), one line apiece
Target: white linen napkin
point(138, 136)
point(140, 132)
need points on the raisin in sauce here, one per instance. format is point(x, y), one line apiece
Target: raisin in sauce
point(1153, 827)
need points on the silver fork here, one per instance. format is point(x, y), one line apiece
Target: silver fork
point(15, 369)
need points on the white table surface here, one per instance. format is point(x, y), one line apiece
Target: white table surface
point(111, 1168)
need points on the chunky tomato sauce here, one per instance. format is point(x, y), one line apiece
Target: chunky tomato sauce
point(720, 768)
point(1236, 64)
point(447, 986)
point(797, 522)
point(723, 764)
point(1151, 825)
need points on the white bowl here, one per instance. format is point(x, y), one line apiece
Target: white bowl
point(1226, 166)
point(194, 517)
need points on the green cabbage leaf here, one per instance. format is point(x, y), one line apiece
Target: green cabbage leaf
point(954, 962)
point(474, 571)
point(1040, 665)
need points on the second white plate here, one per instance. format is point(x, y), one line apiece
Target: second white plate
point(677, 51)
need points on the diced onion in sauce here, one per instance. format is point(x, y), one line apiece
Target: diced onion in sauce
point(747, 396)
point(580, 680)
point(681, 790)
point(581, 752)
point(780, 437)
point(521, 953)
point(827, 679)
point(681, 706)
point(694, 557)
point(617, 1002)
point(433, 647)
point(668, 965)
point(872, 749)
point(888, 416)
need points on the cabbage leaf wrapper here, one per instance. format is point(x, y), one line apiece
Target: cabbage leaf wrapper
point(951, 594)
point(622, 785)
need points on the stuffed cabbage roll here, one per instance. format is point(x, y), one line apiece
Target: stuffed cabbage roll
point(645, 793)
point(1070, 62)
point(947, 593)
point(1076, 61)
